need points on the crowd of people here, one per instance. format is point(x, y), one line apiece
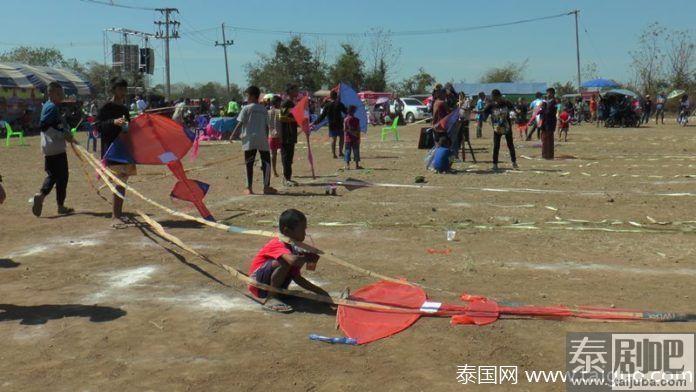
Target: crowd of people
point(268, 127)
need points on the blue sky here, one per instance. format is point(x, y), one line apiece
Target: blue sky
point(608, 30)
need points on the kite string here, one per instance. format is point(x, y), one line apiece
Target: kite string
point(247, 280)
point(233, 229)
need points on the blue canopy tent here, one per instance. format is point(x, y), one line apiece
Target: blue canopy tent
point(600, 83)
point(14, 75)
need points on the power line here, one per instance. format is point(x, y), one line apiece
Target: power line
point(112, 4)
point(402, 33)
point(53, 44)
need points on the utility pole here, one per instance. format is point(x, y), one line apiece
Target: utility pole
point(577, 46)
point(168, 34)
point(225, 43)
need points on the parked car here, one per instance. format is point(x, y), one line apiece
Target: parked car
point(414, 109)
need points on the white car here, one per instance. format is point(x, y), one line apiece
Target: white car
point(414, 109)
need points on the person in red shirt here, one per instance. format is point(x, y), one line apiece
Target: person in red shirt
point(593, 107)
point(351, 126)
point(280, 261)
point(564, 124)
point(440, 111)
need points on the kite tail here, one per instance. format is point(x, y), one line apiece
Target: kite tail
point(194, 150)
point(190, 190)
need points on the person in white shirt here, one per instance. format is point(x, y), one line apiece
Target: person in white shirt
point(141, 104)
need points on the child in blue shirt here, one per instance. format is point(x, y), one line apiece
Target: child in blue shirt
point(441, 159)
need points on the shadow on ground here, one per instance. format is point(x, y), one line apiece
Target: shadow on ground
point(41, 314)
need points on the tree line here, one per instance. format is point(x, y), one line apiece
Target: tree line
point(663, 59)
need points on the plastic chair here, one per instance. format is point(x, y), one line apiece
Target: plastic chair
point(394, 129)
point(11, 132)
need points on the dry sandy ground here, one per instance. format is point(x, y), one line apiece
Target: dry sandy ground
point(89, 308)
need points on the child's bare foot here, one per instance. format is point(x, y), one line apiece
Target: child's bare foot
point(121, 223)
point(269, 191)
point(248, 191)
point(275, 305)
point(347, 167)
point(358, 167)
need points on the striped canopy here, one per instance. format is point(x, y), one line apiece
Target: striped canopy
point(30, 76)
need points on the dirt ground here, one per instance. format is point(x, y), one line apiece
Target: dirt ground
point(89, 308)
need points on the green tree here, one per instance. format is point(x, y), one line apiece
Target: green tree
point(508, 73)
point(99, 76)
point(419, 83)
point(39, 56)
point(563, 89)
point(348, 68)
point(290, 62)
point(376, 80)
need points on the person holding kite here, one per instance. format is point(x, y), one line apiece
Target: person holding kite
point(334, 109)
point(54, 133)
point(253, 123)
point(288, 133)
point(112, 118)
point(279, 262)
point(499, 110)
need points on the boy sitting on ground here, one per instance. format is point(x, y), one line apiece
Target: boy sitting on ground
point(280, 262)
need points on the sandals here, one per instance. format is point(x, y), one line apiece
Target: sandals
point(120, 224)
point(275, 305)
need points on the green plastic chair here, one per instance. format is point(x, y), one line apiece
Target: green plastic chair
point(11, 132)
point(394, 129)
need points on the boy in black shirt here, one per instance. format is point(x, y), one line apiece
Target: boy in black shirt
point(288, 133)
point(499, 110)
point(111, 119)
point(334, 110)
